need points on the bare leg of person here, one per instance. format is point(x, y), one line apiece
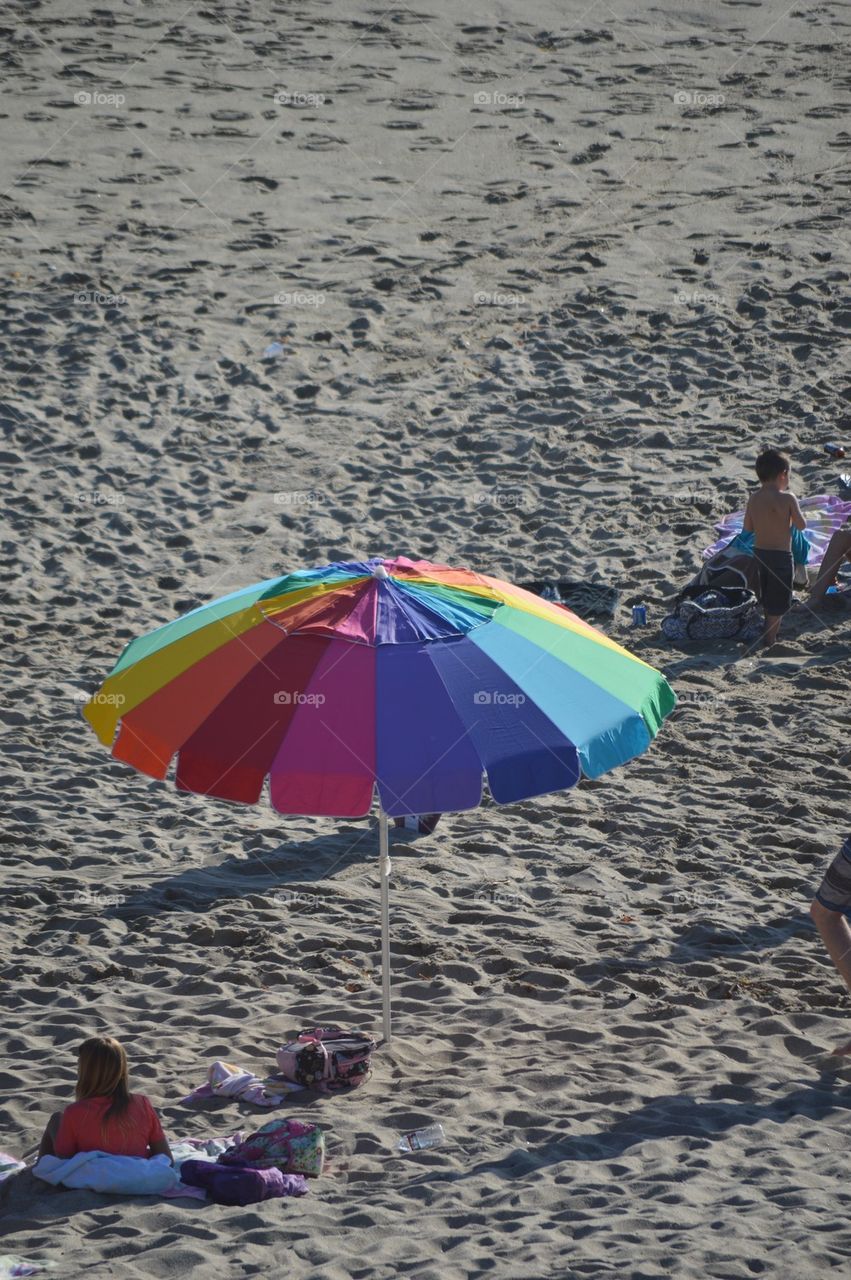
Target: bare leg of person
point(772, 626)
point(836, 936)
point(838, 549)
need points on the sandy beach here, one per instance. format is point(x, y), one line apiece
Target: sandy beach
point(518, 287)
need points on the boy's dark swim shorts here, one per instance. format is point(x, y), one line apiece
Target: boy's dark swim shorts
point(776, 572)
point(834, 892)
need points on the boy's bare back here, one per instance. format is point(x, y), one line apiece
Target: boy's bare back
point(770, 513)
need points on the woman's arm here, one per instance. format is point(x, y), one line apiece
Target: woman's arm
point(157, 1141)
point(46, 1147)
point(160, 1147)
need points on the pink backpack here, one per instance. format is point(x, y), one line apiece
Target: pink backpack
point(327, 1059)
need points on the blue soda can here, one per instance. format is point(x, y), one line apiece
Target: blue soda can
point(639, 615)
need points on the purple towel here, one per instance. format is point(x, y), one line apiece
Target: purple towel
point(234, 1184)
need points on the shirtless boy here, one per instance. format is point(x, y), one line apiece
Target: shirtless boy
point(771, 512)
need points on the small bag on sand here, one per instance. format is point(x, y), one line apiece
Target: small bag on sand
point(288, 1145)
point(327, 1059)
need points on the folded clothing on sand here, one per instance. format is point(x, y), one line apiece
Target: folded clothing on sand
point(586, 599)
point(203, 1148)
point(234, 1184)
point(224, 1080)
point(207, 1149)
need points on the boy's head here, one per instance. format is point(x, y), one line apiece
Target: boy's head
point(772, 465)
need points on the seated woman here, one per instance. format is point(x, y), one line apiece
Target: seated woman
point(106, 1116)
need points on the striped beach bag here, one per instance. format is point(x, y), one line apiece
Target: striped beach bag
point(327, 1059)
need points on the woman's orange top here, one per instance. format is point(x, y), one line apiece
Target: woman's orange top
point(129, 1134)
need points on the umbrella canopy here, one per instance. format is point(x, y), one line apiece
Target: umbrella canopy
point(412, 678)
point(400, 676)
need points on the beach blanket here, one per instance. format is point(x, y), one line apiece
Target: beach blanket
point(824, 514)
point(224, 1080)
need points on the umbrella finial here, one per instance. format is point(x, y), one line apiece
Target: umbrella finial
point(380, 572)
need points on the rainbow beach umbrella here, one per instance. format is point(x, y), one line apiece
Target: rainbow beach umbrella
point(395, 676)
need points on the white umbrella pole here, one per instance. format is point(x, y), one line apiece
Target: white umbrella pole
point(384, 871)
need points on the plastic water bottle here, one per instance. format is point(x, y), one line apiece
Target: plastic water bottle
point(431, 1136)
